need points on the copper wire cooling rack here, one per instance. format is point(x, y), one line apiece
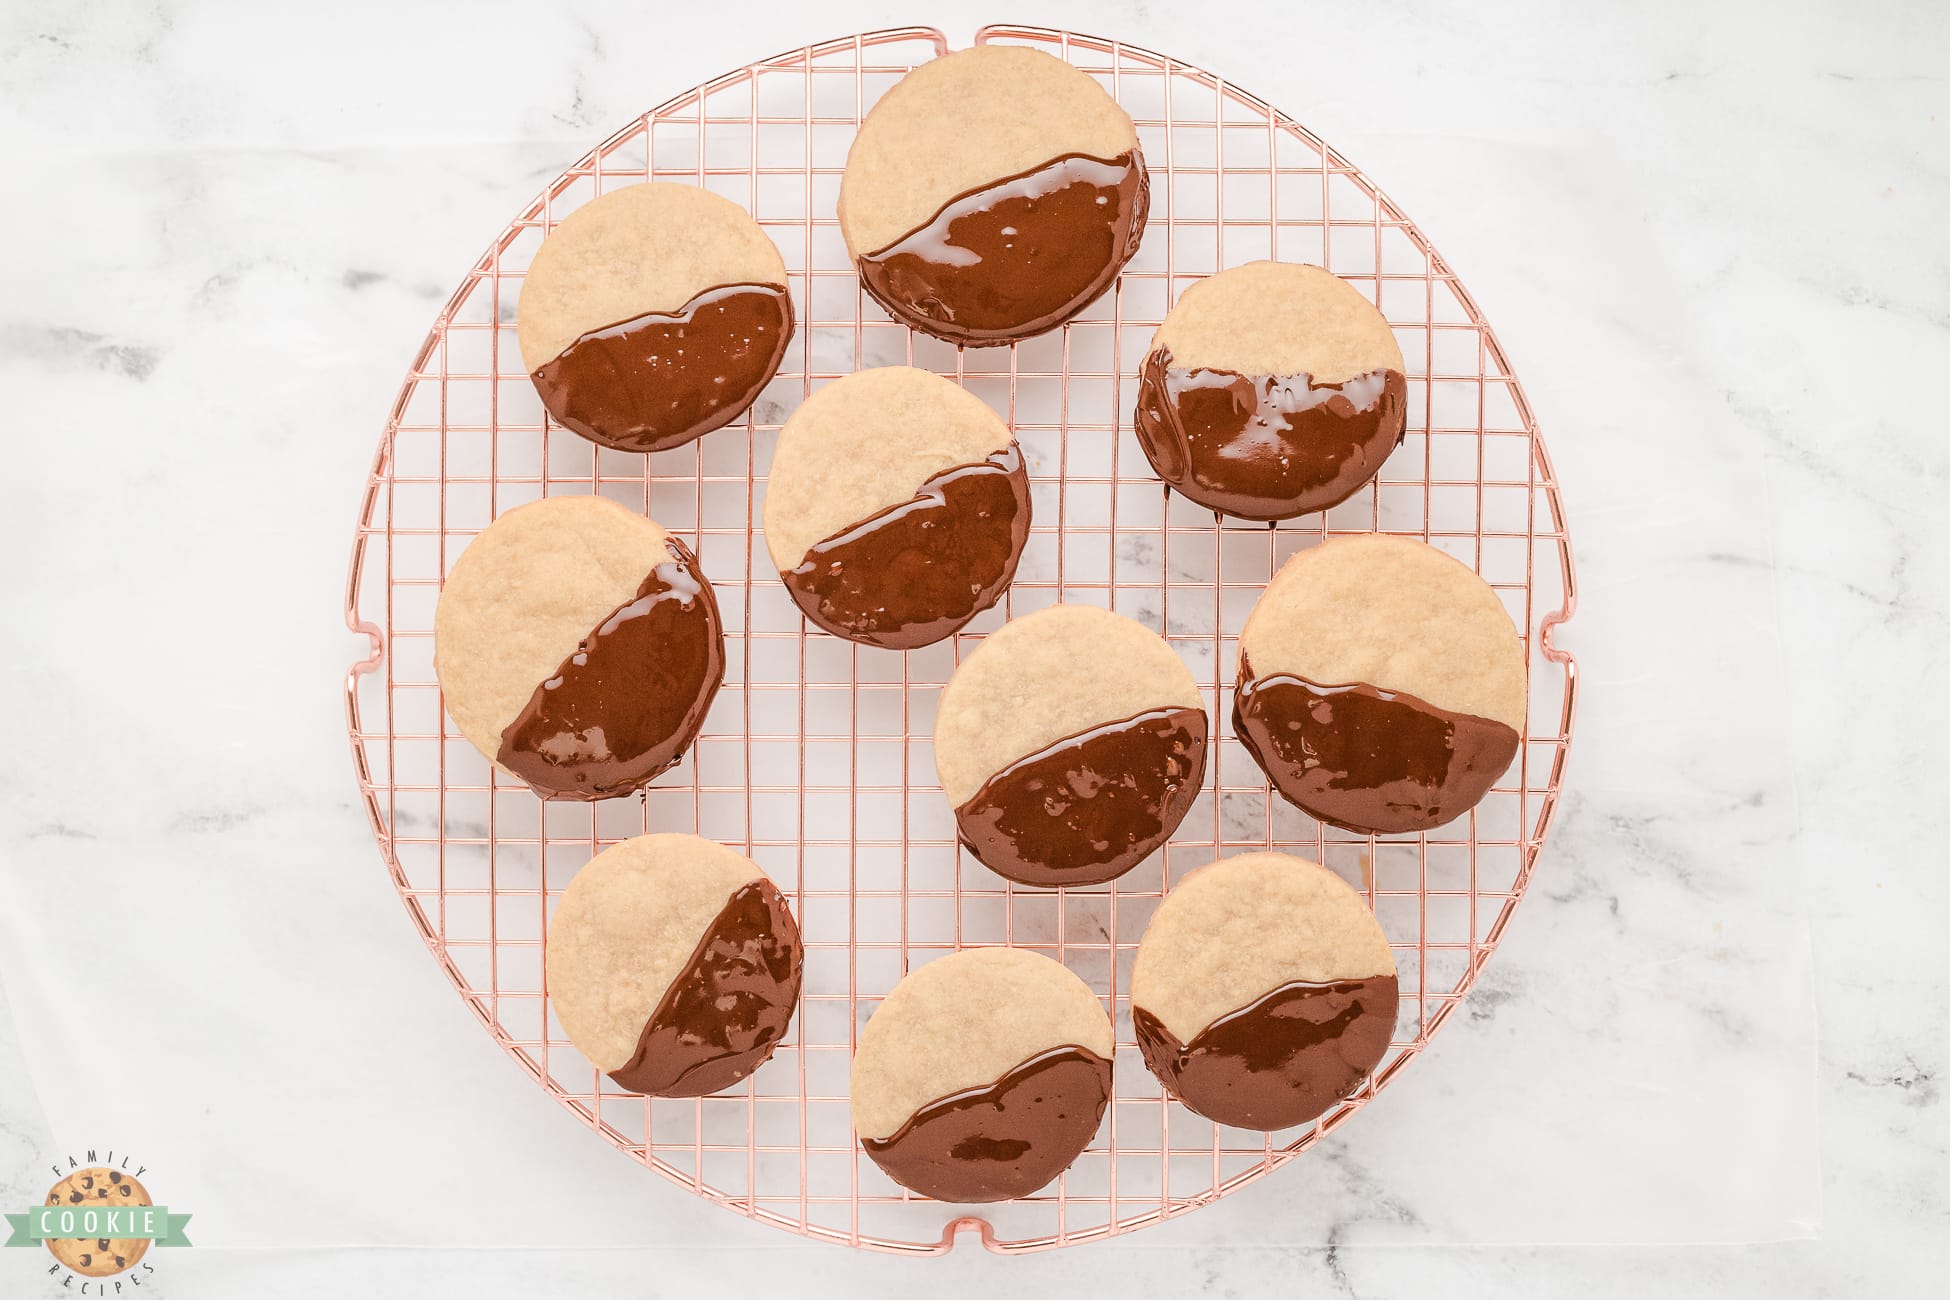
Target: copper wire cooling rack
point(815, 759)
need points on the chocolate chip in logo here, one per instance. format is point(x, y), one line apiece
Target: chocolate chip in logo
point(87, 1181)
point(114, 1176)
point(85, 1260)
point(101, 1243)
point(74, 1198)
point(125, 1189)
point(120, 1262)
point(101, 1193)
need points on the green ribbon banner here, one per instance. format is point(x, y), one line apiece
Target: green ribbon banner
point(64, 1222)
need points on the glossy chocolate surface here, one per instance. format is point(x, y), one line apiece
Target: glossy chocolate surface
point(630, 700)
point(1266, 446)
point(916, 572)
point(729, 1007)
point(1091, 806)
point(658, 380)
point(1281, 1061)
point(1366, 759)
point(1017, 257)
point(1005, 1140)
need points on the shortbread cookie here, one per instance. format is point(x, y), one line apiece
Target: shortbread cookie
point(578, 646)
point(982, 1076)
point(1271, 390)
point(1263, 992)
point(653, 315)
point(1070, 743)
point(1381, 684)
point(101, 1188)
point(992, 194)
point(896, 507)
point(673, 965)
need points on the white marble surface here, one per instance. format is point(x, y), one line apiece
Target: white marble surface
point(1708, 1057)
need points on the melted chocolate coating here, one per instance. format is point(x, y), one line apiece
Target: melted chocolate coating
point(1365, 759)
point(1091, 806)
point(658, 380)
point(630, 700)
point(1266, 446)
point(918, 571)
point(1005, 1140)
point(721, 1017)
point(1016, 257)
point(1281, 1061)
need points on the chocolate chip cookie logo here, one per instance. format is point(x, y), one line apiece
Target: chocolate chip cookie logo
point(98, 1221)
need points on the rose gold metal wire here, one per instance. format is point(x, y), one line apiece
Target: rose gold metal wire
point(478, 860)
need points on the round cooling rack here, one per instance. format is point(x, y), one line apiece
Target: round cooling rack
point(816, 759)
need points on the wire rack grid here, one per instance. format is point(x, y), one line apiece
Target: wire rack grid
point(815, 758)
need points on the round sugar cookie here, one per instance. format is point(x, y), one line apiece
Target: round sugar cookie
point(1263, 992)
point(1381, 684)
point(1271, 390)
point(1070, 743)
point(578, 646)
point(674, 964)
point(653, 315)
point(991, 194)
point(896, 507)
point(982, 1075)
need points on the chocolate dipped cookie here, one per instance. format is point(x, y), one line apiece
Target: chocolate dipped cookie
point(674, 965)
point(578, 646)
point(1264, 991)
point(653, 315)
point(1070, 743)
point(992, 194)
point(1271, 390)
point(896, 507)
point(1381, 684)
point(982, 1075)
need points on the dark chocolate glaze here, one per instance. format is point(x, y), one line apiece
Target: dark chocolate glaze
point(658, 380)
point(916, 572)
point(1366, 759)
point(1016, 257)
point(1005, 1140)
point(1266, 446)
point(1281, 1061)
point(724, 1013)
point(630, 700)
point(1091, 806)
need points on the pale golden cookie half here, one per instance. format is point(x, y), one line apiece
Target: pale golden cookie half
point(652, 315)
point(1071, 744)
point(578, 646)
point(674, 964)
point(982, 1075)
point(1264, 991)
point(992, 194)
point(1381, 684)
point(896, 507)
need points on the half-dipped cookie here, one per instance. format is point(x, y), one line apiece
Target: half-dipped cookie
point(1381, 684)
point(1070, 743)
point(1271, 390)
point(578, 646)
point(673, 964)
point(652, 315)
point(896, 507)
point(992, 194)
point(1264, 991)
point(982, 1075)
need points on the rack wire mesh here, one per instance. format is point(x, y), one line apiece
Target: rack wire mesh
point(816, 760)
